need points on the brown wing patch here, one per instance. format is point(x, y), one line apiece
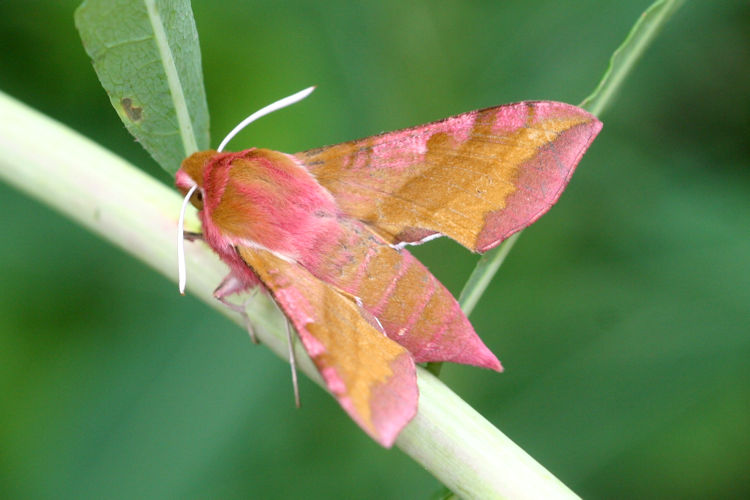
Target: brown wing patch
point(373, 378)
point(447, 177)
point(414, 308)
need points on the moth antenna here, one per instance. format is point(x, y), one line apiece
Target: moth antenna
point(181, 240)
point(292, 363)
point(281, 103)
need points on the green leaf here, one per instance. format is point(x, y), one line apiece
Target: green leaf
point(147, 57)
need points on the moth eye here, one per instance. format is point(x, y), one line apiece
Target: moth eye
point(199, 195)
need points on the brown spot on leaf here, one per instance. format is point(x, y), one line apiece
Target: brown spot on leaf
point(135, 113)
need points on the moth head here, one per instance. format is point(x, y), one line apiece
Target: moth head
point(189, 178)
point(190, 174)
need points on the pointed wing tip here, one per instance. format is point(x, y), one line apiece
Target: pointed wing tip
point(478, 354)
point(555, 109)
point(394, 404)
point(387, 437)
point(483, 358)
point(491, 362)
point(387, 440)
point(385, 428)
point(594, 125)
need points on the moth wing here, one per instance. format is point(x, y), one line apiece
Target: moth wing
point(413, 307)
point(372, 377)
point(477, 177)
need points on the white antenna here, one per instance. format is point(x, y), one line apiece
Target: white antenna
point(281, 103)
point(181, 240)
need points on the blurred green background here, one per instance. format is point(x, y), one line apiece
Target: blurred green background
point(621, 317)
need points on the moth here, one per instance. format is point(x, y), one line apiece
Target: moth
point(324, 233)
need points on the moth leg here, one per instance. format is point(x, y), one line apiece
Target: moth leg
point(231, 285)
point(192, 236)
point(292, 357)
point(292, 362)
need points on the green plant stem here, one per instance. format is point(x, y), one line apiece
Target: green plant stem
point(480, 278)
point(621, 63)
point(623, 59)
point(137, 213)
point(478, 282)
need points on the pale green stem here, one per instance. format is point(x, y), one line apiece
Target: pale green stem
point(629, 52)
point(480, 278)
point(137, 213)
point(621, 63)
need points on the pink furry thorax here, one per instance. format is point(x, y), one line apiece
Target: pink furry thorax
point(266, 199)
